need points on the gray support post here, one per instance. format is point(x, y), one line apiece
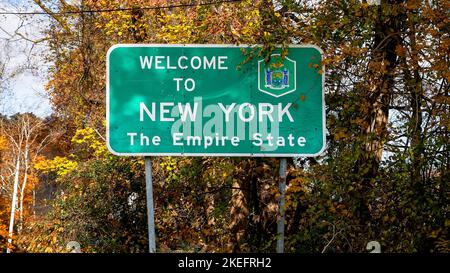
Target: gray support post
point(281, 216)
point(150, 209)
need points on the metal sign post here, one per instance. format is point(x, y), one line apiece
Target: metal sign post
point(150, 209)
point(280, 223)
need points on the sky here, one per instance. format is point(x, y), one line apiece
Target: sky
point(26, 69)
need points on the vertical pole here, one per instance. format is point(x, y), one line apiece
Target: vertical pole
point(280, 223)
point(150, 209)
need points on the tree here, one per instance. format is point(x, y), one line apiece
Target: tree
point(384, 176)
point(25, 143)
point(381, 68)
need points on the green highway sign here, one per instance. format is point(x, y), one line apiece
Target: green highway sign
point(204, 100)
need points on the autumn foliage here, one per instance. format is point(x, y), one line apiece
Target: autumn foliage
point(384, 176)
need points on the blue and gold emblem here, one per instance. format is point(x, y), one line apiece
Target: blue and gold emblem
point(277, 78)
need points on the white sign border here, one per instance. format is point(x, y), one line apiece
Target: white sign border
point(324, 144)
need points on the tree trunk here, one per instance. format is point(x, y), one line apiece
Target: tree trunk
point(13, 204)
point(415, 87)
point(255, 223)
point(24, 184)
point(381, 82)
